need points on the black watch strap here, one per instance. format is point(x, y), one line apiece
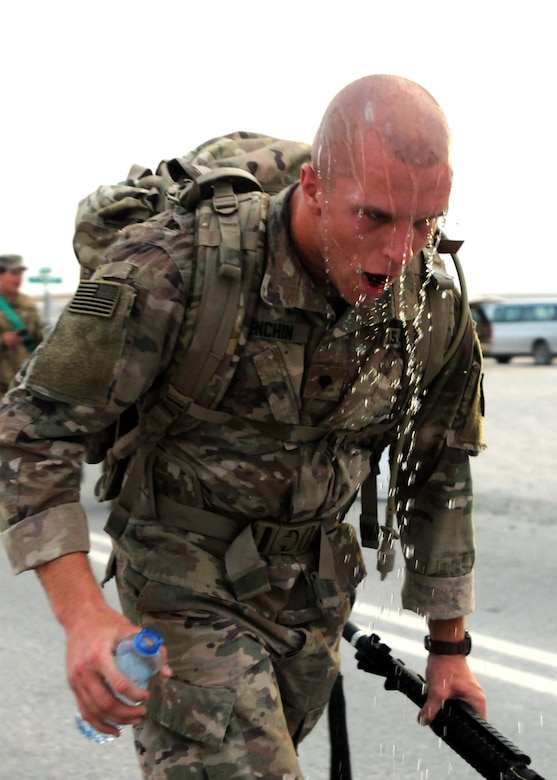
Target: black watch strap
point(449, 648)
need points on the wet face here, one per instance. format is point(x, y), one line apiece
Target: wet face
point(371, 225)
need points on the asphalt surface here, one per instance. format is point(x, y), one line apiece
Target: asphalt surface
point(514, 627)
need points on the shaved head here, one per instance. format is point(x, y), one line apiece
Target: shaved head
point(379, 181)
point(386, 115)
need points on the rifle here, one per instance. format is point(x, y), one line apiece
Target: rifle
point(491, 754)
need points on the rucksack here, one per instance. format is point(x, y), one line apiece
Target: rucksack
point(228, 180)
point(218, 181)
point(251, 162)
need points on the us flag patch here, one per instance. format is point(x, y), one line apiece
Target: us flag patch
point(96, 298)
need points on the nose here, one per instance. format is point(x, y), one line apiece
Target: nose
point(398, 246)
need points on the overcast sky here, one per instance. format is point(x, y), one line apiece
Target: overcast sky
point(90, 88)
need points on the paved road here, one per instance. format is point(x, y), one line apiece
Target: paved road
point(514, 627)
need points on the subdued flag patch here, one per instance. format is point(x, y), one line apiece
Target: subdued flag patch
point(96, 298)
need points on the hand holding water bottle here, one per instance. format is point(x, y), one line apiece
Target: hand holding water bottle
point(93, 630)
point(138, 657)
point(101, 688)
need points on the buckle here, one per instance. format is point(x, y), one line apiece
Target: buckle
point(284, 538)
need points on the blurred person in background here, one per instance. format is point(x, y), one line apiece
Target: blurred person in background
point(20, 324)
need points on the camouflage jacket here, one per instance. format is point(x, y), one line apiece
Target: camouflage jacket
point(12, 358)
point(302, 365)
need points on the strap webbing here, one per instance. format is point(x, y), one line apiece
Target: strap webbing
point(215, 321)
point(17, 322)
point(340, 768)
point(369, 520)
point(218, 310)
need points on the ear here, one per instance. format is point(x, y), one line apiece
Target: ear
point(311, 188)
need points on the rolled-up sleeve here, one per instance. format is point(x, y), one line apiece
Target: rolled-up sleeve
point(90, 369)
point(435, 496)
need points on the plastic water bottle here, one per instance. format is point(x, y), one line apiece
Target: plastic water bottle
point(138, 657)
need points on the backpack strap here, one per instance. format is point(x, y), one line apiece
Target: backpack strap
point(17, 322)
point(220, 247)
point(230, 255)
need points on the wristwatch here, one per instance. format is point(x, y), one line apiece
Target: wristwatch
point(437, 647)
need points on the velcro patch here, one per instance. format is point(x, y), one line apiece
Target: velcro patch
point(96, 298)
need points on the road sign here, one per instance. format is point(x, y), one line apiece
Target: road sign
point(44, 278)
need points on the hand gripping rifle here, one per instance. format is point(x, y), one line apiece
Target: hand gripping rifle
point(491, 754)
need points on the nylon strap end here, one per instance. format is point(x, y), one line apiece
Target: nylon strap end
point(117, 521)
point(386, 554)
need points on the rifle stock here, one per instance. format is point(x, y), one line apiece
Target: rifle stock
point(491, 754)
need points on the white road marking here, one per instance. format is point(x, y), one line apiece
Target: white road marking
point(499, 671)
point(372, 617)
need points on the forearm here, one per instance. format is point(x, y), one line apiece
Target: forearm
point(93, 629)
point(71, 588)
point(450, 630)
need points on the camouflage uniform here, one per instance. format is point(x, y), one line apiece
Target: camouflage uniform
point(12, 358)
point(252, 631)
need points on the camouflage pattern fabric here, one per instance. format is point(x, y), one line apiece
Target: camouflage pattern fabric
point(274, 162)
point(102, 215)
point(12, 358)
point(245, 690)
point(235, 470)
point(302, 366)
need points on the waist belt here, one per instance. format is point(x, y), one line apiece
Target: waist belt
point(250, 540)
point(271, 537)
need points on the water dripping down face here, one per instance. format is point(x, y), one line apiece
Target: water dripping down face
point(380, 182)
point(374, 220)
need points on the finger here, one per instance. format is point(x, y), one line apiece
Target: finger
point(428, 712)
point(478, 704)
point(104, 708)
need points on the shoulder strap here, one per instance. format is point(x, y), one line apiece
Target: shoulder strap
point(17, 322)
point(227, 238)
point(230, 241)
point(10, 313)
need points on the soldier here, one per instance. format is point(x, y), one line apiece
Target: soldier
point(236, 549)
point(20, 325)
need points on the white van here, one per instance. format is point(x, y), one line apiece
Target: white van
point(520, 325)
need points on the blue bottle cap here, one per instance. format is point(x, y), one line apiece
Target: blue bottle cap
point(148, 641)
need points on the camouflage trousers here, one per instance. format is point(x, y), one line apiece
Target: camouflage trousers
point(243, 694)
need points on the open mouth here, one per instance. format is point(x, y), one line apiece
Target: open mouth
point(376, 280)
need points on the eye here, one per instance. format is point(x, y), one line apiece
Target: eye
point(425, 225)
point(379, 217)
